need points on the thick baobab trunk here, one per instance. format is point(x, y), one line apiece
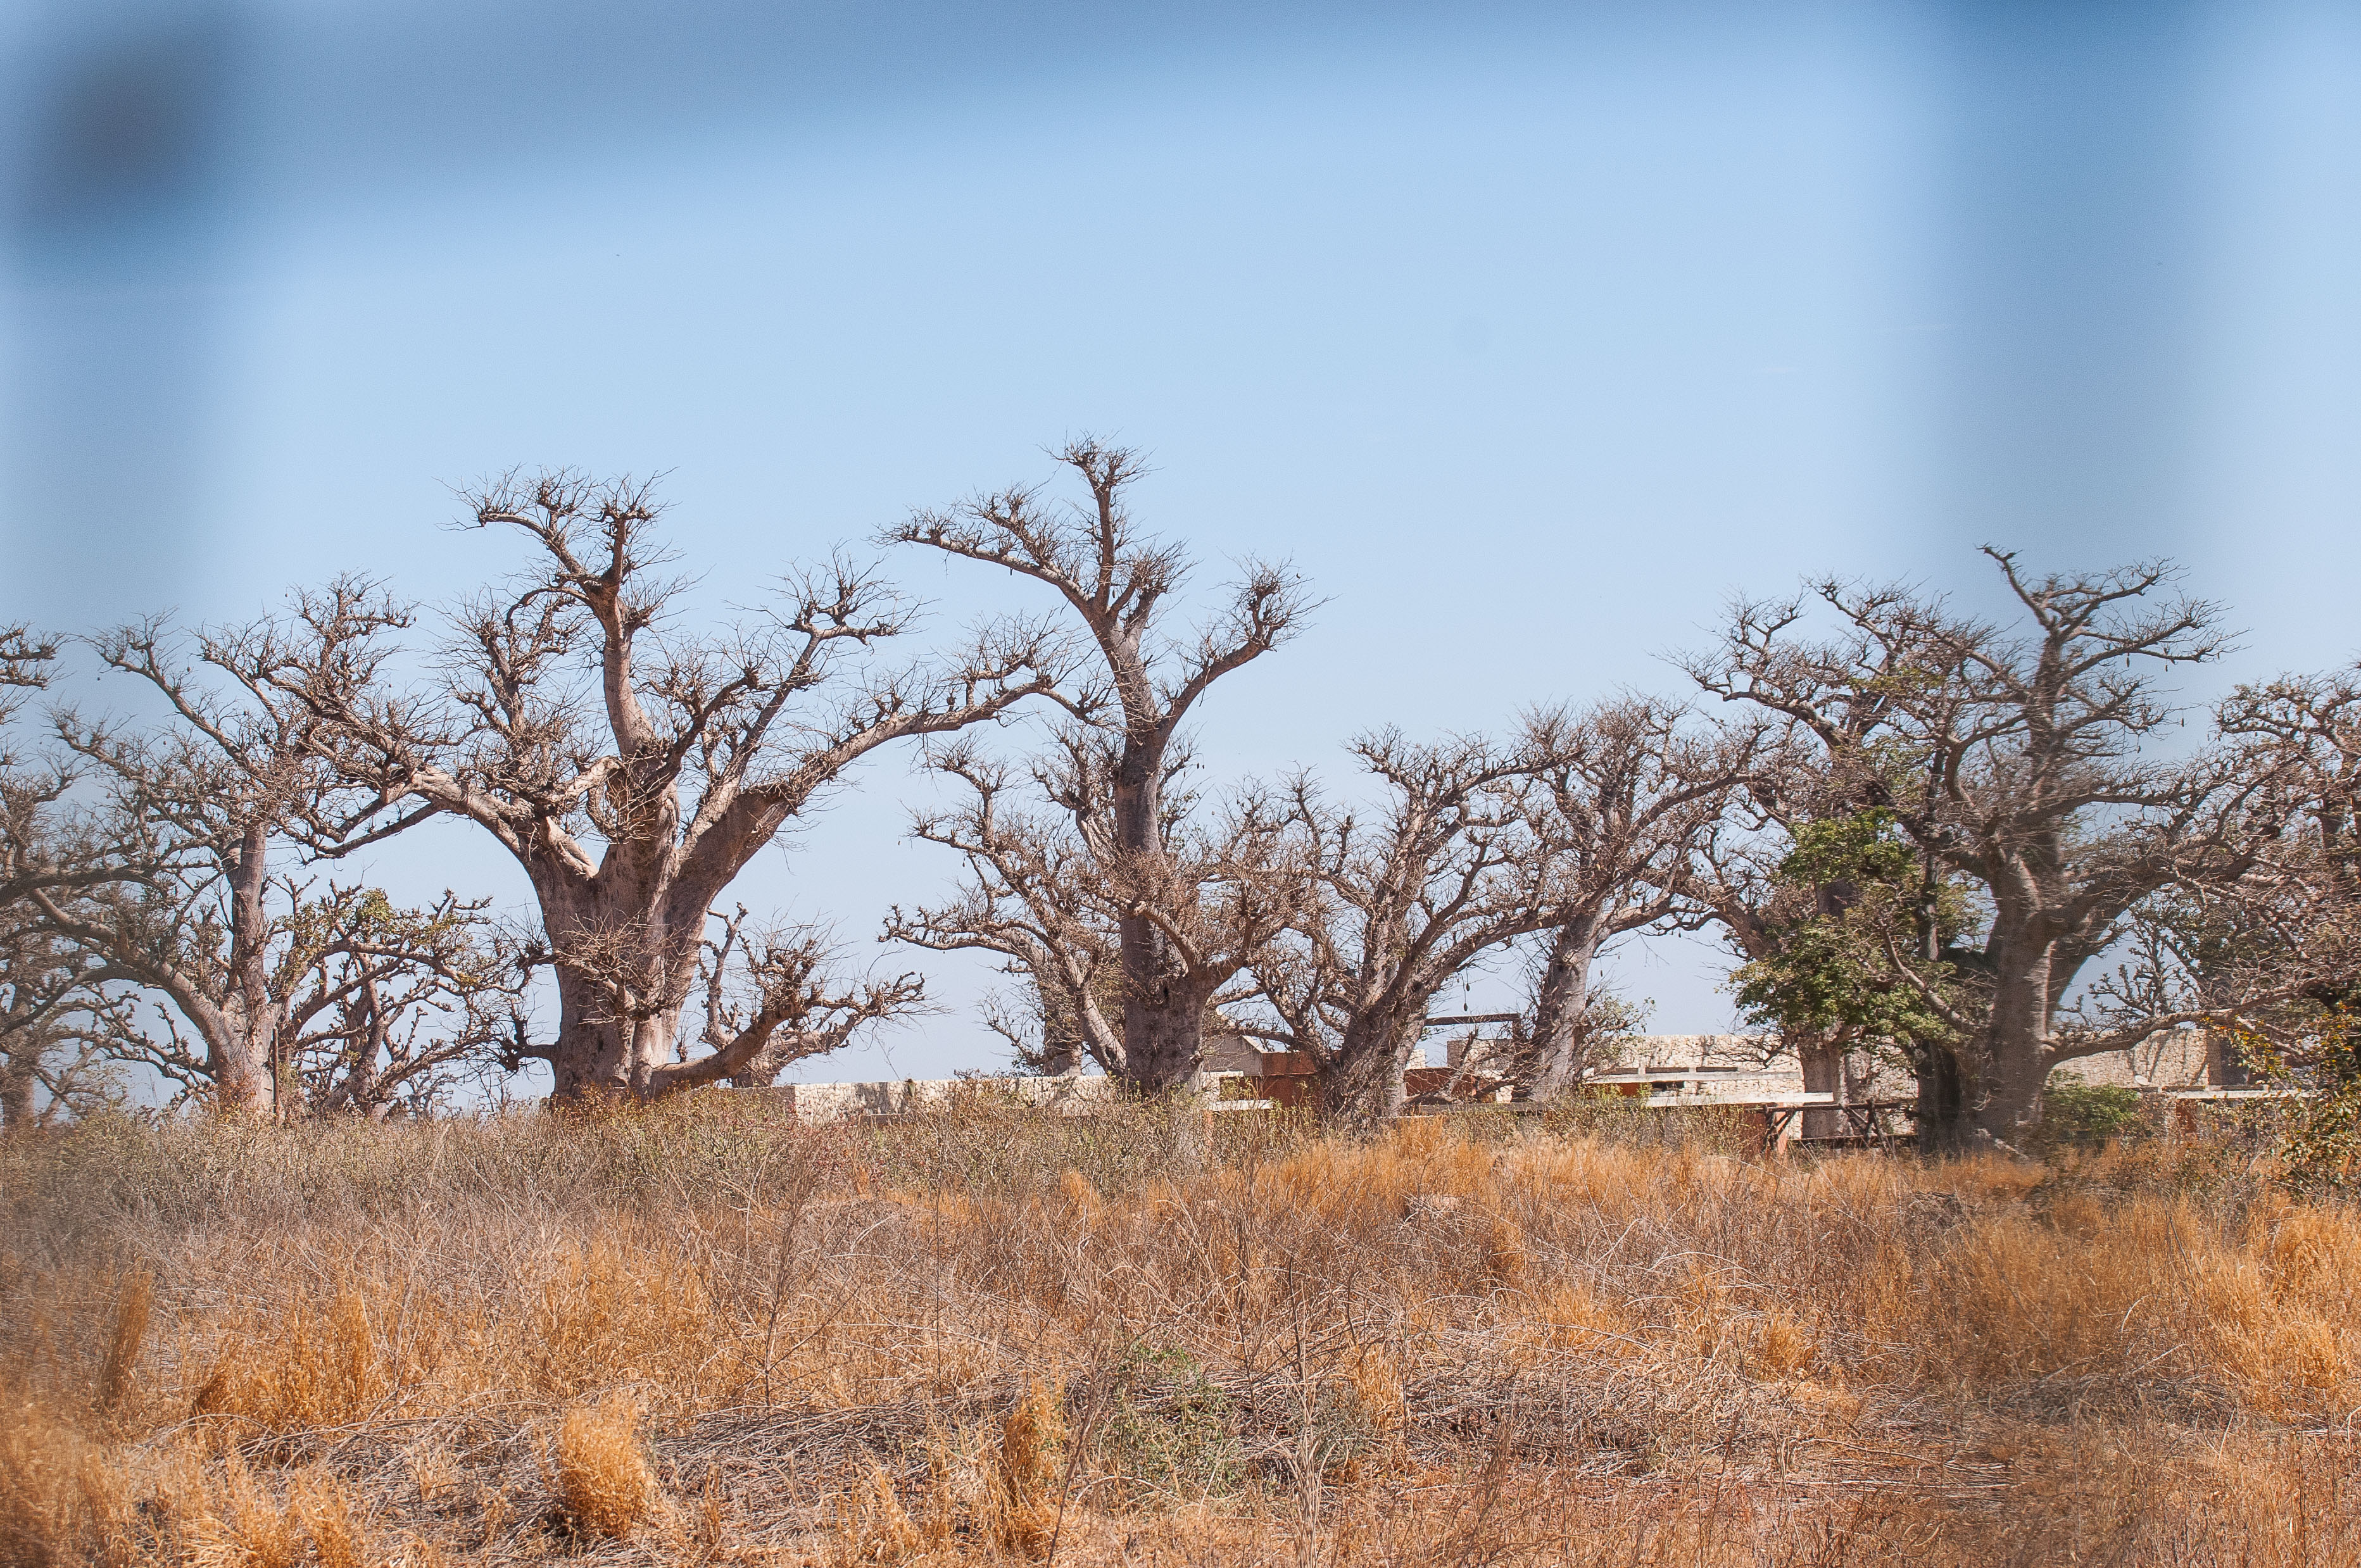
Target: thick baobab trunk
point(597, 1053)
point(15, 1098)
point(242, 1035)
point(2014, 1054)
point(1363, 1087)
point(1163, 1039)
point(1163, 1006)
point(1163, 1028)
point(592, 1053)
point(624, 951)
point(1061, 1053)
point(1824, 1073)
point(243, 1048)
point(1561, 1008)
point(1946, 1126)
point(2010, 1104)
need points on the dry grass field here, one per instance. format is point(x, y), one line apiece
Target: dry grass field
point(697, 1335)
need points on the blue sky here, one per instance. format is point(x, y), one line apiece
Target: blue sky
point(1529, 335)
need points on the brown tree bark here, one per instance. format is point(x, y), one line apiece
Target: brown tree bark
point(1561, 1004)
point(1824, 1069)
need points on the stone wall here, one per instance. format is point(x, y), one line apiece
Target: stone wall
point(2184, 1058)
point(2179, 1059)
point(835, 1102)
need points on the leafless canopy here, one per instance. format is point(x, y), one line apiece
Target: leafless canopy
point(52, 1017)
point(279, 997)
point(2274, 945)
point(1052, 897)
point(1447, 870)
point(1123, 866)
point(632, 768)
point(1630, 797)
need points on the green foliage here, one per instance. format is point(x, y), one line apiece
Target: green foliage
point(2073, 1112)
point(2317, 1131)
point(1850, 884)
point(1864, 848)
point(1830, 980)
point(1169, 1437)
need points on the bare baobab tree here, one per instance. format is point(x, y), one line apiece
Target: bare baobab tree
point(58, 1027)
point(403, 1010)
point(778, 988)
point(1047, 892)
point(2024, 762)
point(1447, 870)
point(633, 774)
point(1626, 797)
point(206, 817)
point(53, 1017)
point(1122, 861)
point(2311, 726)
point(2279, 946)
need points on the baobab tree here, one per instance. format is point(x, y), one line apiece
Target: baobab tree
point(2022, 762)
point(1627, 798)
point(1808, 876)
point(57, 1029)
point(1047, 892)
point(2305, 889)
point(402, 1011)
point(2280, 946)
point(1122, 860)
point(633, 774)
point(1402, 900)
point(207, 820)
point(53, 1019)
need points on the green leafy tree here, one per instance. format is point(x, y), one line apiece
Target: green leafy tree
point(1850, 889)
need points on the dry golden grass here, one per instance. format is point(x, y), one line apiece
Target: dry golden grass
point(699, 1335)
point(603, 1480)
point(1027, 1493)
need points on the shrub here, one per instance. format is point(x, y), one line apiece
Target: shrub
point(1167, 1436)
point(2075, 1113)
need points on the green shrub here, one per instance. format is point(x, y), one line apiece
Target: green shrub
point(1167, 1436)
point(2073, 1112)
